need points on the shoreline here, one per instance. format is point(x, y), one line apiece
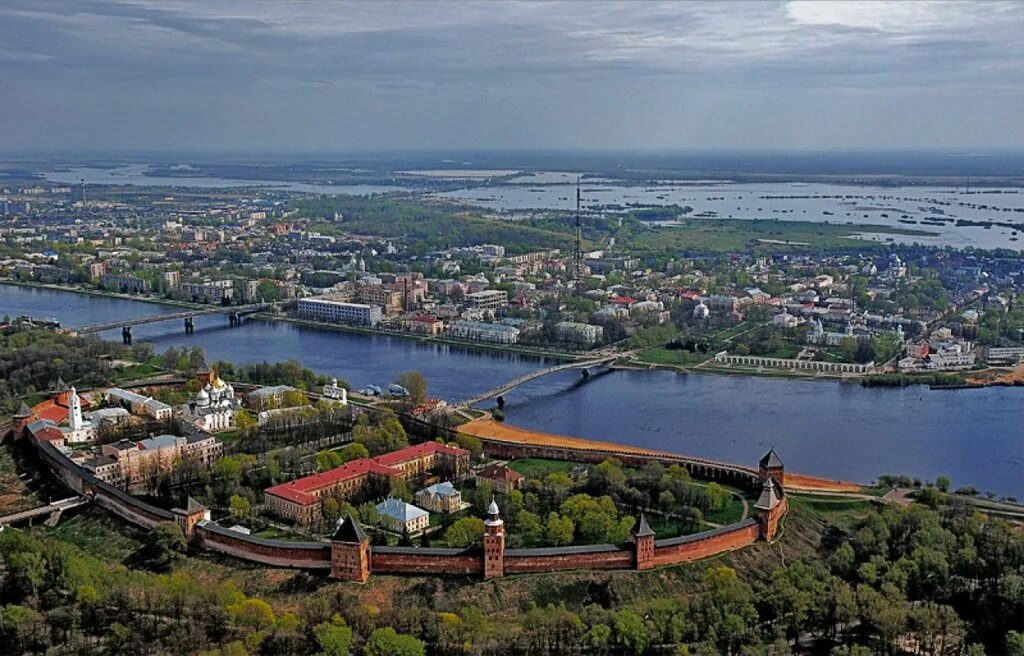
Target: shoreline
point(626, 363)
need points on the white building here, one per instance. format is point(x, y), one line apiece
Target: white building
point(335, 393)
point(495, 333)
point(323, 309)
point(402, 517)
point(784, 320)
point(578, 333)
point(214, 406)
point(78, 430)
point(139, 404)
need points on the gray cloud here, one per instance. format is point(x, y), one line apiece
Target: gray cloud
point(337, 75)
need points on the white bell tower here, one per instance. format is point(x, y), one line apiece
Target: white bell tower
point(74, 411)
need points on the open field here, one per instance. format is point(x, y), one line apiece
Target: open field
point(539, 467)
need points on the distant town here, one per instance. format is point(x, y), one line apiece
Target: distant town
point(884, 313)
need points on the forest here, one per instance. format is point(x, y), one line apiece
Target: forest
point(900, 580)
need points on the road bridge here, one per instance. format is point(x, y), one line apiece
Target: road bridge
point(234, 312)
point(516, 382)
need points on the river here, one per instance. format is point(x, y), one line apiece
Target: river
point(824, 428)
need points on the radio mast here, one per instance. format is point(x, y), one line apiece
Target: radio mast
point(577, 252)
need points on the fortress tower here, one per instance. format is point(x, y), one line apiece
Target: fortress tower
point(770, 466)
point(187, 518)
point(350, 552)
point(494, 543)
point(643, 539)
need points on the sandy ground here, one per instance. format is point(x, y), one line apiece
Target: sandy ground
point(493, 430)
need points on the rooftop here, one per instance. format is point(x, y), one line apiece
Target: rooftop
point(303, 490)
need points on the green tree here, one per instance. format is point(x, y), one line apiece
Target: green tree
point(333, 638)
point(630, 631)
point(559, 530)
point(351, 452)
point(163, 547)
point(943, 483)
point(465, 532)
point(387, 642)
point(240, 507)
point(416, 383)
point(327, 460)
point(244, 420)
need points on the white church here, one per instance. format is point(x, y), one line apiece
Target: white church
point(214, 406)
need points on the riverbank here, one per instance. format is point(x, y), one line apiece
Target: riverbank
point(102, 293)
point(489, 429)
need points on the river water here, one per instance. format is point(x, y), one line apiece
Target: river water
point(824, 428)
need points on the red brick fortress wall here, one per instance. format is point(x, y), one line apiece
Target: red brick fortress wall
point(413, 560)
point(709, 543)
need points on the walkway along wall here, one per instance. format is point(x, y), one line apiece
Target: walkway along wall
point(644, 552)
point(731, 474)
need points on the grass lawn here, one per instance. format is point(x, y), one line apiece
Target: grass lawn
point(96, 532)
point(663, 355)
point(729, 333)
point(274, 533)
point(786, 352)
point(732, 512)
point(841, 512)
point(136, 371)
point(539, 467)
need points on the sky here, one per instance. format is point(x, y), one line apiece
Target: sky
point(171, 75)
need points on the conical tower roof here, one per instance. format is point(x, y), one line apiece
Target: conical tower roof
point(770, 496)
point(349, 530)
point(24, 410)
point(641, 528)
point(771, 459)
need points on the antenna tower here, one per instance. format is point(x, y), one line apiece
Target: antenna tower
point(577, 251)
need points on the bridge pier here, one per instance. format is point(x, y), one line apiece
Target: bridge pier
point(234, 319)
point(190, 325)
point(126, 335)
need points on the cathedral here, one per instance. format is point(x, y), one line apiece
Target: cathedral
point(214, 406)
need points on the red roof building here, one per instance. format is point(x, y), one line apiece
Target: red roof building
point(299, 500)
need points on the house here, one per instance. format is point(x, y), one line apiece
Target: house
point(501, 478)
point(402, 517)
point(440, 497)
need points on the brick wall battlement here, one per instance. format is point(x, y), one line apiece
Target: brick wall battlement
point(412, 560)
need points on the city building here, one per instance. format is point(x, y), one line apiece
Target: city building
point(123, 282)
point(335, 392)
point(138, 404)
point(578, 333)
point(269, 397)
point(488, 299)
point(440, 498)
point(401, 517)
point(323, 309)
point(207, 291)
point(502, 479)
point(479, 331)
point(300, 500)
point(128, 463)
point(214, 407)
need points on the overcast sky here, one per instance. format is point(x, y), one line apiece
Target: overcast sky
point(248, 76)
